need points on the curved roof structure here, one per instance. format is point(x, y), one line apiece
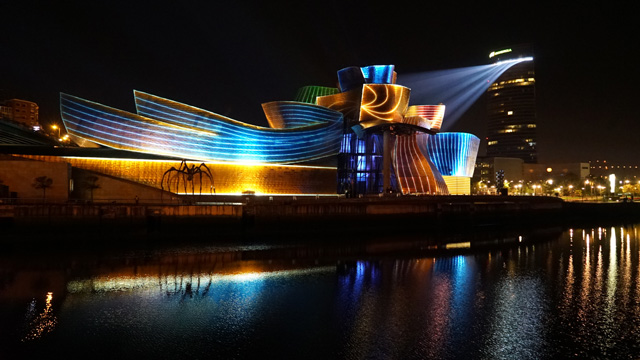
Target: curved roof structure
point(303, 132)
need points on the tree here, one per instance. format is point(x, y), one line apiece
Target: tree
point(91, 183)
point(43, 182)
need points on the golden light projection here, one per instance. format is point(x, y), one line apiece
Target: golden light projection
point(348, 103)
point(415, 173)
point(433, 114)
point(227, 178)
point(383, 103)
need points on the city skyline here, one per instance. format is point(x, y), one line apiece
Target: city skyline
point(231, 58)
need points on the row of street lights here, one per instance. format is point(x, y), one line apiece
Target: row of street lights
point(64, 138)
point(546, 187)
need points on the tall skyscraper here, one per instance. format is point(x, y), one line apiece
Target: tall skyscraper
point(511, 107)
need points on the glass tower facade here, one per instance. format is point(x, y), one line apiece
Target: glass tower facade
point(511, 108)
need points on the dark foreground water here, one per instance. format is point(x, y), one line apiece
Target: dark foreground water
point(555, 294)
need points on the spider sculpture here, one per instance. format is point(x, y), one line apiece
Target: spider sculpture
point(187, 173)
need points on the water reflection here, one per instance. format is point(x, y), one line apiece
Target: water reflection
point(571, 294)
point(40, 324)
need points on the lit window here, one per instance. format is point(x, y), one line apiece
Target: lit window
point(492, 142)
point(509, 112)
point(531, 126)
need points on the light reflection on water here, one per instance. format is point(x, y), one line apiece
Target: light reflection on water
point(573, 295)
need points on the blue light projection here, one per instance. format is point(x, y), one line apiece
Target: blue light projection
point(350, 78)
point(354, 77)
point(170, 128)
point(378, 74)
point(458, 88)
point(453, 154)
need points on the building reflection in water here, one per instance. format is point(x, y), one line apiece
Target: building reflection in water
point(41, 324)
point(606, 291)
point(575, 294)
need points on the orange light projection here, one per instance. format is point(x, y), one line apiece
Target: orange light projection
point(434, 114)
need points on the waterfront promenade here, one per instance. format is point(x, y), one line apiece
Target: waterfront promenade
point(263, 213)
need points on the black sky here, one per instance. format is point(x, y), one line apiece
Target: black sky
point(229, 57)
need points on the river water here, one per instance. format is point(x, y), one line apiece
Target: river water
point(552, 293)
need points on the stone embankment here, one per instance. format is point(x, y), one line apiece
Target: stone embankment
point(258, 213)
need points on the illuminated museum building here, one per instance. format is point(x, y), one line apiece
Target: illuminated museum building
point(511, 108)
point(366, 127)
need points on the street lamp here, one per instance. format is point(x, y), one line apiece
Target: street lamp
point(56, 127)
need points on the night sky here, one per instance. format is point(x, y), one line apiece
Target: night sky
point(229, 57)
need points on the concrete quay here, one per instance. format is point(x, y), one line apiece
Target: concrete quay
point(303, 213)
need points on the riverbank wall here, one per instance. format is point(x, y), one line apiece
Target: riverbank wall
point(256, 213)
point(101, 226)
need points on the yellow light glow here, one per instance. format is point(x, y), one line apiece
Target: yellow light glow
point(499, 52)
point(228, 178)
point(461, 245)
point(43, 323)
point(134, 283)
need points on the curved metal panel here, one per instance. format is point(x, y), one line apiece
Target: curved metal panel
point(185, 115)
point(433, 113)
point(454, 154)
point(178, 130)
point(308, 94)
point(378, 74)
point(292, 115)
point(348, 103)
point(383, 103)
point(350, 78)
point(415, 173)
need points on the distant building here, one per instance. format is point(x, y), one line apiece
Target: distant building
point(516, 171)
point(20, 111)
point(511, 108)
point(603, 168)
point(484, 176)
point(536, 172)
